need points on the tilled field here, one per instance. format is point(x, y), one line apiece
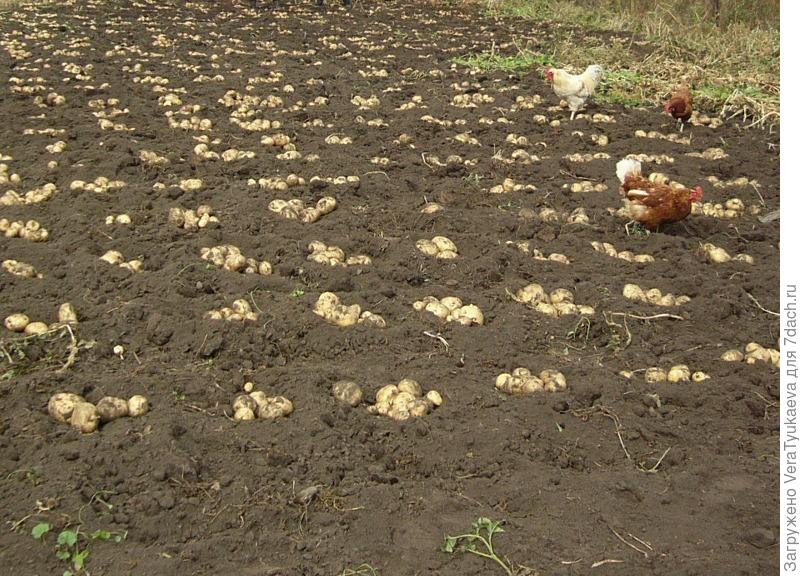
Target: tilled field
point(116, 115)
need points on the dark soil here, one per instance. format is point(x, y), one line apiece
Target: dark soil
point(198, 493)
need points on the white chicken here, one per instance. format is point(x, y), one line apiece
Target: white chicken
point(575, 89)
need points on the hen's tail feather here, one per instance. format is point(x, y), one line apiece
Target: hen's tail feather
point(628, 167)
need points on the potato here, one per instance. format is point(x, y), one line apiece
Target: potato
point(427, 247)
point(16, 322)
point(553, 380)
point(633, 291)
point(67, 314)
point(546, 308)
point(376, 320)
point(418, 408)
point(451, 302)
point(275, 407)
point(138, 406)
point(36, 328)
point(61, 405)
point(386, 394)
point(469, 314)
point(410, 386)
point(244, 401)
point(561, 295)
point(434, 397)
point(438, 309)
point(732, 356)
point(110, 408)
point(244, 413)
point(653, 375)
point(700, 376)
point(531, 293)
point(260, 398)
point(348, 392)
point(84, 417)
point(679, 373)
point(444, 244)
point(112, 257)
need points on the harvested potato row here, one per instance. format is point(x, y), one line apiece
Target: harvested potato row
point(256, 404)
point(655, 134)
point(279, 140)
point(517, 140)
point(678, 373)
point(753, 353)
point(21, 323)
point(187, 219)
point(522, 381)
point(239, 311)
point(451, 309)
point(559, 302)
point(295, 209)
point(451, 160)
point(335, 139)
point(445, 123)
point(230, 257)
point(35, 196)
point(86, 417)
point(735, 182)
point(509, 185)
point(546, 214)
point(276, 183)
point(22, 269)
point(438, 247)
point(471, 100)
point(582, 158)
point(352, 180)
point(719, 255)
point(709, 154)
point(56, 147)
point(190, 184)
point(334, 312)
point(194, 123)
point(733, 208)
point(652, 159)
point(465, 138)
point(653, 296)
point(608, 249)
point(526, 102)
point(30, 230)
point(518, 156)
point(404, 400)
point(585, 186)
point(101, 185)
point(322, 253)
point(365, 103)
point(525, 248)
point(115, 257)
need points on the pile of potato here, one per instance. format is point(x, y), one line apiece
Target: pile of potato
point(525, 248)
point(652, 158)
point(518, 156)
point(122, 219)
point(438, 247)
point(190, 184)
point(627, 255)
point(230, 257)
point(150, 158)
point(200, 217)
point(465, 138)
point(194, 123)
point(581, 158)
point(715, 181)
point(337, 180)
point(720, 255)
point(404, 400)
point(451, 309)
point(22, 269)
point(86, 417)
point(471, 100)
point(526, 102)
point(40, 194)
point(5, 177)
point(559, 302)
point(753, 353)
point(334, 256)
point(653, 296)
point(21, 323)
point(509, 185)
point(365, 103)
point(733, 208)
point(56, 147)
point(256, 404)
point(334, 312)
point(678, 373)
point(239, 311)
point(277, 183)
point(295, 209)
point(101, 185)
point(278, 140)
point(335, 139)
point(522, 381)
point(30, 230)
point(547, 214)
point(115, 257)
point(586, 186)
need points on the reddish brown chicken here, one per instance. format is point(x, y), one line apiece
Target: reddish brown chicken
point(650, 203)
point(680, 105)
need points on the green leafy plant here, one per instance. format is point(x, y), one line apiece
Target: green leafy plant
point(479, 542)
point(297, 293)
point(72, 544)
